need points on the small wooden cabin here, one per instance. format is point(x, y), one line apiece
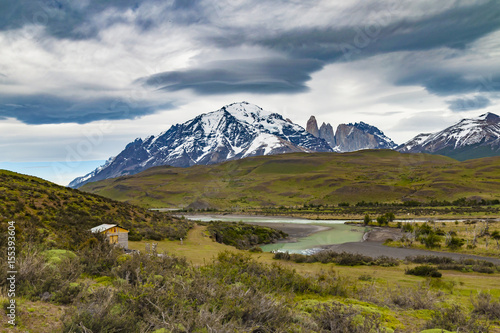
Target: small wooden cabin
point(114, 233)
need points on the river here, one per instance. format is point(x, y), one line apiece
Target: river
point(305, 236)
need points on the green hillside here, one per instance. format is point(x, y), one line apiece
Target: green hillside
point(300, 178)
point(62, 216)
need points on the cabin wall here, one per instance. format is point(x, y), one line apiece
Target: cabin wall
point(122, 236)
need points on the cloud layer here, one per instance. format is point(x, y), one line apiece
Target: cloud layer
point(207, 47)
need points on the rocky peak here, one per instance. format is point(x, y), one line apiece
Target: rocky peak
point(326, 132)
point(361, 135)
point(312, 126)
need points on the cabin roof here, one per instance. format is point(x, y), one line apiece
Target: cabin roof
point(104, 227)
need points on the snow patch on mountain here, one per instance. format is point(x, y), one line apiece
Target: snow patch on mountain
point(480, 131)
point(235, 131)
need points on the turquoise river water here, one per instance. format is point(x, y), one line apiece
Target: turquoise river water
point(337, 233)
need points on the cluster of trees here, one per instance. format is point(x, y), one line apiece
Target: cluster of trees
point(381, 220)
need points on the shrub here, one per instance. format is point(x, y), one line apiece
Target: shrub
point(431, 241)
point(343, 258)
point(454, 319)
point(420, 259)
point(255, 249)
point(456, 243)
point(407, 227)
point(424, 270)
point(338, 318)
point(367, 219)
point(486, 306)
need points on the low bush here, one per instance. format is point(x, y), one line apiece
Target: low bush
point(416, 297)
point(485, 305)
point(429, 260)
point(337, 318)
point(455, 319)
point(463, 265)
point(255, 249)
point(424, 270)
point(343, 258)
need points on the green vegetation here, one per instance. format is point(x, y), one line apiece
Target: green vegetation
point(463, 265)
point(72, 281)
point(243, 236)
point(424, 270)
point(344, 259)
point(478, 237)
point(61, 217)
point(373, 182)
point(99, 288)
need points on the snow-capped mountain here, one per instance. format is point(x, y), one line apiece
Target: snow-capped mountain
point(469, 138)
point(235, 131)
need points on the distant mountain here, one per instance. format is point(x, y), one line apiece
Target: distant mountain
point(351, 137)
point(468, 139)
point(235, 131)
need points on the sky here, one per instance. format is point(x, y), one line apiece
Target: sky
point(81, 79)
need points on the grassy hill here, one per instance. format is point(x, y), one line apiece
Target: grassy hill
point(300, 178)
point(62, 216)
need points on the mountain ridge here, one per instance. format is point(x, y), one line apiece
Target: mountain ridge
point(468, 138)
point(297, 179)
point(235, 131)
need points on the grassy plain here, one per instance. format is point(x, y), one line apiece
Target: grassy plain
point(457, 287)
point(299, 180)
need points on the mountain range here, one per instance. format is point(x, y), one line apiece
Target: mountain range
point(469, 138)
point(233, 132)
point(241, 130)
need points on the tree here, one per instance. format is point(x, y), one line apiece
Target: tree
point(407, 227)
point(390, 216)
point(367, 220)
point(382, 220)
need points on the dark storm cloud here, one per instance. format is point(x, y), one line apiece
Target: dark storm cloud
point(48, 109)
point(446, 84)
point(66, 18)
point(301, 50)
point(453, 28)
point(468, 104)
point(265, 76)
